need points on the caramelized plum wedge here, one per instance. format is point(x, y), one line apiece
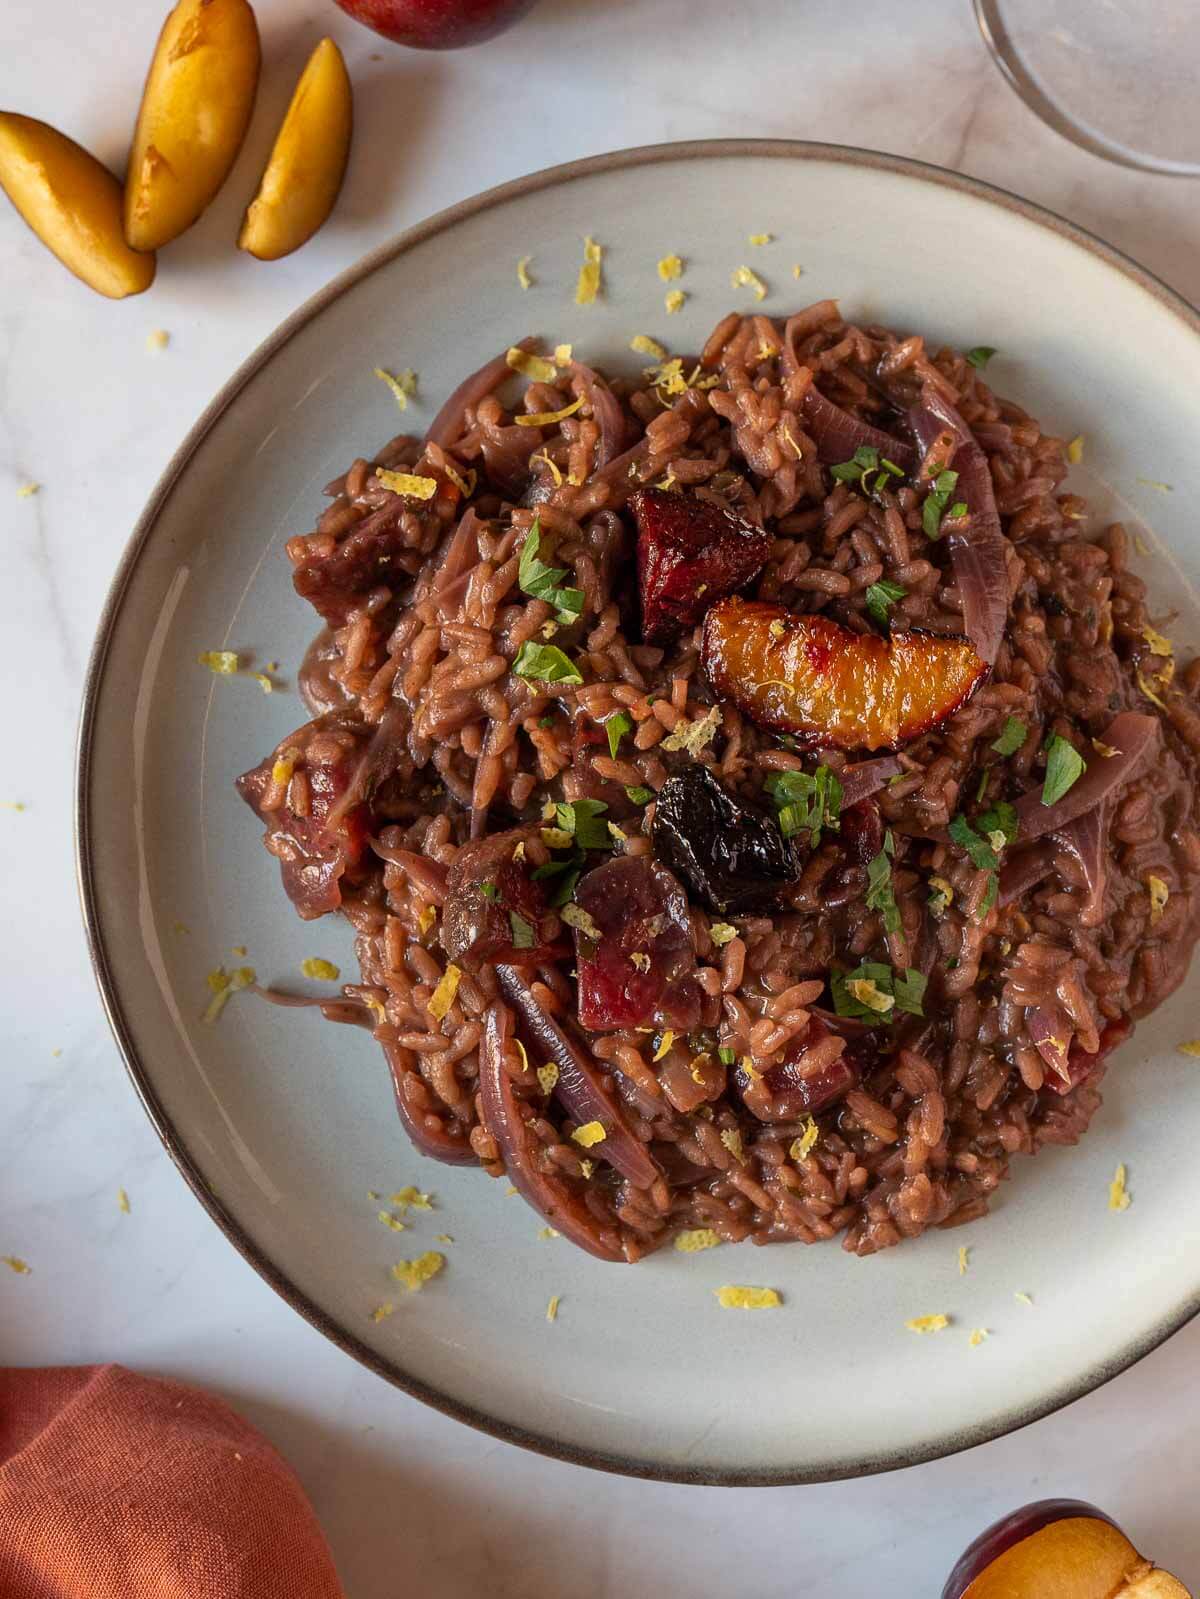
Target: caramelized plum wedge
point(808, 676)
point(494, 910)
point(691, 552)
point(729, 852)
point(634, 951)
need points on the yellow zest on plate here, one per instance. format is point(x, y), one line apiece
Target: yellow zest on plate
point(411, 1198)
point(1140, 544)
point(576, 916)
point(1118, 1197)
point(442, 997)
point(402, 384)
point(552, 1307)
point(426, 917)
point(315, 966)
point(671, 266)
point(761, 238)
point(547, 1077)
point(744, 278)
point(414, 1274)
point(589, 1135)
point(442, 1238)
point(928, 1324)
point(674, 300)
point(866, 993)
point(588, 286)
point(523, 277)
point(797, 270)
point(223, 985)
point(737, 1296)
point(1075, 450)
point(1153, 483)
point(157, 339)
point(962, 1260)
point(393, 1222)
point(15, 1263)
point(534, 367)
point(664, 1046)
point(978, 1334)
point(549, 1232)
point(1190, 1046)
point(1159, 644)
point(802, 1147)
point(26, 491)
point(698, 1238)
point(410, 484)
point(122, 1202)
point(692, 736)
point(1024, 1299)
point(545, 419)
point(722, 933)
point(732, 1139)
point(645, 345)
point(1159, 894)
point(382, 1312)
point(222, 663)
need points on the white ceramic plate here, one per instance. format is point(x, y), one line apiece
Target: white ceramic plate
point(283, 1123)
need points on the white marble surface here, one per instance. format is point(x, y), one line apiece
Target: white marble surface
point(413, 1502)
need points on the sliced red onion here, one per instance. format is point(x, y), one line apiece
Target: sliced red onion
point(438, 1143)
point(1086, 838)
point(1080, 1064)
point(1023, 868)
point(578, 1089)
point(1051, 1033)
point(447, 425)
point(606, 409)
point(835, 432)
point(864, 778)
point(1131, 735)
point(547, 1191)
point(978, 555)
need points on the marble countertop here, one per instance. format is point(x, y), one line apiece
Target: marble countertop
point(413, 1502)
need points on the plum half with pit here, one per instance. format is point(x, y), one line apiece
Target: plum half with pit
point(831, 688)
point(730, 853)
point(634, 950)
point(690, 553)
point(1059, 1547)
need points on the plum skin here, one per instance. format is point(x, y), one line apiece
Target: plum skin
point(437, 24)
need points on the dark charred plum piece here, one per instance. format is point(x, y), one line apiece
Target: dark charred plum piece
point(485, 890)
point(641, 969)
point(730, 853)
point(376, 550)
point(785, 1094)
point(691, 552)
point(809, 676)
point(1062, 1547)
point(317, 850)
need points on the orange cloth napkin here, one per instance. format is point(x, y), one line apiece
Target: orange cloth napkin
point(117, 1486)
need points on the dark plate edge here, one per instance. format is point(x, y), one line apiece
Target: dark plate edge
point(171, 1138)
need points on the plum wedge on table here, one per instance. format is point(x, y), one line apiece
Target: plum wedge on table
point(832, 688)
point(691, 552)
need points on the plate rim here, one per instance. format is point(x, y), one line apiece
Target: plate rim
point(172, 1137)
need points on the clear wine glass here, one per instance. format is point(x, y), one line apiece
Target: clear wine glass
point(1118, 77)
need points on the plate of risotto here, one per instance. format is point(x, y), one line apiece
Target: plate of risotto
point(641, 759)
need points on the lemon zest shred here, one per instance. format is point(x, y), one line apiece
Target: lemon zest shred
point(426, 917)
point(645, 345)
point(722, 933)
point(549, 1232)
point(1107, 750)
point(671, 266)
point(1149, 692)
point(16, 1264)
point(1024, 1299)
point(693, 735)
point(928, 1324)
point(157, 339)
point(696, 1239)
point(664, 1048)
point(587, 1167)
point(797, 270)
point(1190, 1046)
point(589, 282)
point(545, 419)
point(464, 485)
point(394, 1222)
point(410, 484)
point(534, 367)
point(978, 1334)
point(547, 1077)
point(963, 1253)
point(1118, 1196)
point(402, 384)
point(552, 1307)
point(732, 1139)
point(674, 300)
point(555, 473)
point(761, 238)
point(375, 1006)
point(576, 916)
point(26, 491)
point(589, 1135)
point(414, 1274)
point(382, 1312)
point(317, 967)
point(1140, 545)
point(1159, 644)
point(221, 663)
point(281, 772)
point(442, 997)
point(866, 992)
point(737, 1296)
point(802, 1147)
point(122, 1202)
point(744, 278)
point(411, 1198)
point(1159, 894)
point(1075, 450)
point(562, 354)
point(523, 277)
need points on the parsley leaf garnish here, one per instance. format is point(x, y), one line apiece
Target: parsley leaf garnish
point(489, 891)
point(936, 502)
point(540, 581)
point(616, 726)
point(1064, 767)
point(581, 819)
point(806, 801)
point(905, 989)
point(980, 356)
point(522, 931)
point(1012, 735)
point(639, 795)
point(546, 663)
point(881, 597)
point(880, 894)
point(978, 849)
point(868, 469)
point(726, 1055)
point(1000, 818)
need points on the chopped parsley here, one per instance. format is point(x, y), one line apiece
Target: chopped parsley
point(881, 597)
point(522, 931)
point(1064, 767)
point(1012, 735)
point(567, 871)
point(937, 501)
point(981, 853)
point(868, 469)
point(873, 991)
point(489, 891)
point(806, 802)
point(881, 896)
point(639, 795)
point(727, 1056)
point(581, 819)
point(1000, 820)
point(985, 778)
point(546, 663)
point(546, 721)
point(541, 582)
point(980, 356)
point(989, 895)
point(616, 726)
